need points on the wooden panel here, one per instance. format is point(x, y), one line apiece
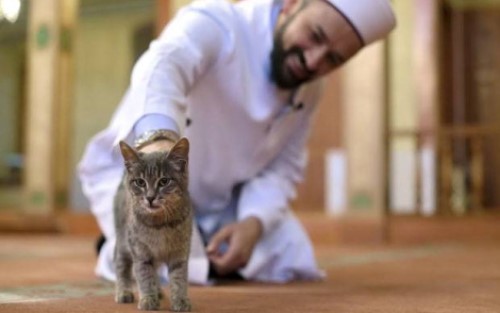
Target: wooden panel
point(471, 90)
point(162, 14)
point(327, 130)
point(483, 84)
point(311, 193)
point(326, 134)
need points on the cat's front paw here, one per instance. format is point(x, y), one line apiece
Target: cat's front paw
point(181, 305)
point(124, 297)
point(149, 303)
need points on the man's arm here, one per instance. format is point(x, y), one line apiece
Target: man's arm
point(262, 205)
point(267, 196)
point(163, 76)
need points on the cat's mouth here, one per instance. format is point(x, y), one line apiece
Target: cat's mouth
point(153, 207)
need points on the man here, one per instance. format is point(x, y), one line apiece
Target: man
point(241, 82)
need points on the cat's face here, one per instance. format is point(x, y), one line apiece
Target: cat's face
point(157, 184)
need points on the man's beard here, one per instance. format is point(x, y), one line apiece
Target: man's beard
point(282, 76)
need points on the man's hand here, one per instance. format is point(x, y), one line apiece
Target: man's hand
point(241, 238)
point(158, 145)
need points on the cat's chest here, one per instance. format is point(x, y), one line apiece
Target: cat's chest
point(162, 243)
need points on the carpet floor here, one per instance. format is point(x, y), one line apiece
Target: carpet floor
point(54, 273)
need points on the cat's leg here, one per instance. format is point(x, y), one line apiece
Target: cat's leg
point(178, 276)
point(147, 281)
point(124, 282)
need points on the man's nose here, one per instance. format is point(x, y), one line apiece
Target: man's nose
point(315, 57)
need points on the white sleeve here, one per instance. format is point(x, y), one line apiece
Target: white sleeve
point(186, 49)
point(267, 196)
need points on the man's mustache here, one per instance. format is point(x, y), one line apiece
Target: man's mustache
point(300, 53)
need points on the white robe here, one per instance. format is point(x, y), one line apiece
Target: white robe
point(211, 65)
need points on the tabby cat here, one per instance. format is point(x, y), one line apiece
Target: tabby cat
point(153, 221)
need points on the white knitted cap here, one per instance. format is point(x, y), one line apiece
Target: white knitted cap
point(372, 19)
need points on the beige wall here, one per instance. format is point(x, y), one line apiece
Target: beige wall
point(177, 4)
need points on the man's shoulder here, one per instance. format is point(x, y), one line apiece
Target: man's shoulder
point(213, 6)
point(225, 9)
point(222, 12)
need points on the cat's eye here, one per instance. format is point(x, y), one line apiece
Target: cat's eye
point(164, 182)
point(140, 182)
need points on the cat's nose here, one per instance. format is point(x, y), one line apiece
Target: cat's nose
point(150, 200)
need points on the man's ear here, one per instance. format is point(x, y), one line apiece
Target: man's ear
point(288, 6)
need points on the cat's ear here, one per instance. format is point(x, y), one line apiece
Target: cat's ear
point(129, 154)
point(179, 154)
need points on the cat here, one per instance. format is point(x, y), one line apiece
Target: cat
point(153, 222)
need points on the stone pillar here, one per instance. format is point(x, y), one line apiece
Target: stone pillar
point(364, 105)
point(426, 55)
point(49, 93)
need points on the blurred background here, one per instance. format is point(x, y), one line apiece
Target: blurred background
point(406, 133)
